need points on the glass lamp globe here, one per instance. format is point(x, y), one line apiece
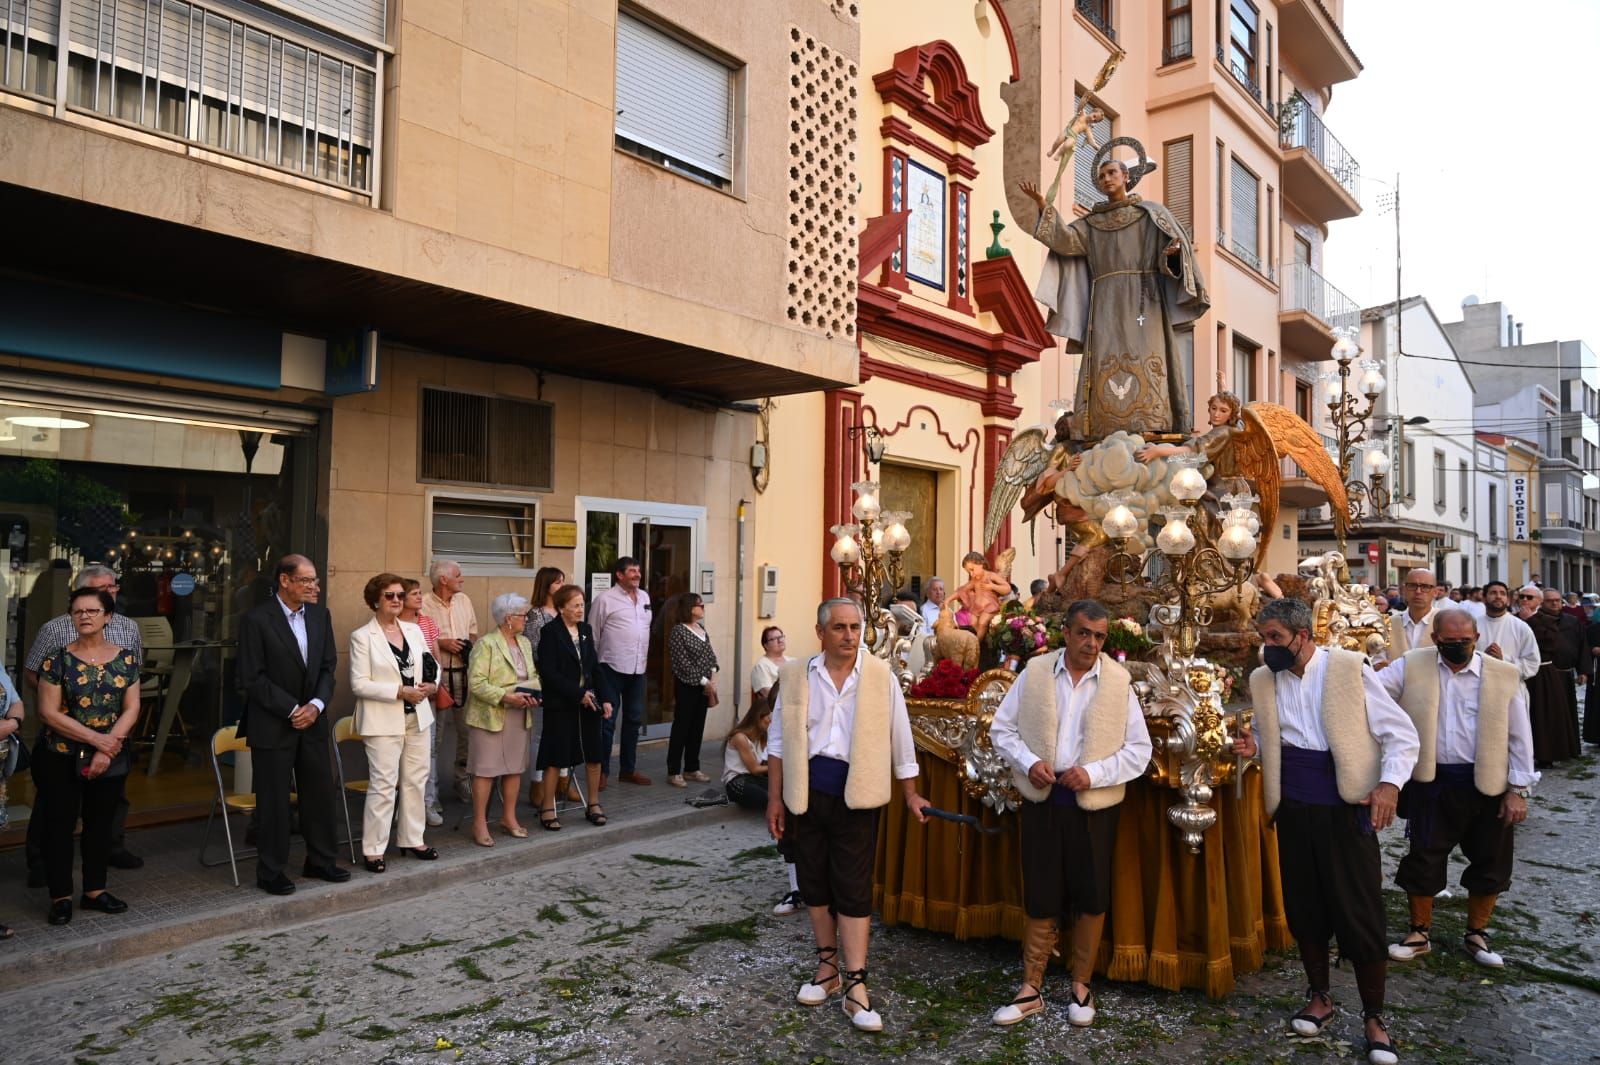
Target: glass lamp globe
point(1119, 522)
point(1377, 461)
point(1345, 348)
point(1175, 537)
point(845, 551)
point(1332, 388)
point(867, 505)
point(1236, 543)
point(1372, 380)
point(896, 537)
point(1187, 484)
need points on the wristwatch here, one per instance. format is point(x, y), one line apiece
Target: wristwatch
point(1520, 790)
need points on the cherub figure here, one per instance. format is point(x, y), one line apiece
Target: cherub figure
point(981, 594)
point(1224, 412)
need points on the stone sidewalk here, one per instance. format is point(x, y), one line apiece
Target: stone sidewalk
point(174, 900)
point(664, 949)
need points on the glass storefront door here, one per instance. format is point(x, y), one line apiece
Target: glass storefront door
point(666, 539)
point(190, 510)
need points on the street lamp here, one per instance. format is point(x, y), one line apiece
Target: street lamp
point(1348, 417)
point(872, 439)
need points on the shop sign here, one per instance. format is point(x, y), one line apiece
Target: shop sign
point(1519, 508)
point(352, 365)
point(1402, 553)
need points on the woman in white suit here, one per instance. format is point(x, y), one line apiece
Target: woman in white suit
point(394, 717)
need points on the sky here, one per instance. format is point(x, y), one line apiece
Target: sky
point(1486, 112)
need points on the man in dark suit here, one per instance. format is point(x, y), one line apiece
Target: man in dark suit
point(287, 658)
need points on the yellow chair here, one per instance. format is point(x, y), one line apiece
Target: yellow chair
point(344, 731)
point(228, 741)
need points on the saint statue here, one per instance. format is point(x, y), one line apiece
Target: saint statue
point(1118, 282)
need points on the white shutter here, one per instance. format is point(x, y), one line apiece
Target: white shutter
point(1178, 188)
point(1246, 192)
point(1085, 191)
point(673, 99)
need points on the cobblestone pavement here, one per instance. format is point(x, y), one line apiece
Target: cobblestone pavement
point(666, 950)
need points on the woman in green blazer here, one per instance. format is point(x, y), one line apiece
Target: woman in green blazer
point(503, 689)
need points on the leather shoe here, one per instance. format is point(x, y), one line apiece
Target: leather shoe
point(333, 874)
point(105, 902)
point(278, 885)
point(122, 858)
point(60, 911)
point(635, 777)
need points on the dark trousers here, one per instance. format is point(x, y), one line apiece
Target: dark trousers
point(1066, 859)
point(749, 792)
point(309, 762)
point(1464, 817)
point(834, 848)
point(34, 847)
point(67, 797)
point(688, 728)
point(630, 692)
point(1332, 879)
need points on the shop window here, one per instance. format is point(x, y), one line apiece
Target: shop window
point(484, 532)
point(494, 441)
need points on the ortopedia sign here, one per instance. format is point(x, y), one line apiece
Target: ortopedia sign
point(1519, 508)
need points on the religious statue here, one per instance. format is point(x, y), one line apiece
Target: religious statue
point(1030, 469)
point(1117, 283)
point(984, 588)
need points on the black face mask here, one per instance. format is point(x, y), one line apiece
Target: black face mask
point(1457, 653)
point(1279, 658)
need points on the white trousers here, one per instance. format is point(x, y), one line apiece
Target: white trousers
point(397, 773)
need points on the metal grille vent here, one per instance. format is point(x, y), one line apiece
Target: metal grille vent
point(493, 441)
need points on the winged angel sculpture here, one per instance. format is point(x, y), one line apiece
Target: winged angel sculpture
point(1242, 450)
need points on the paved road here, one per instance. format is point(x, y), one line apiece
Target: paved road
point(667, 951)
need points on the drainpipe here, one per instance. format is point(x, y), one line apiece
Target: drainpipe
point(738, 616)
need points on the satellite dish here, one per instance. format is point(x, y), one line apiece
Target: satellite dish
point(1470, 301)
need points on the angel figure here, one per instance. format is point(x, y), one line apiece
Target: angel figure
point(984, 588)
point(1029, 471)
point(1243, 447)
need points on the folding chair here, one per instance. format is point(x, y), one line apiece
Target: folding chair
point(344, 731)
point(226, 741)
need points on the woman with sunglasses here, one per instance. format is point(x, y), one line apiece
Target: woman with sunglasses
point(395, 719)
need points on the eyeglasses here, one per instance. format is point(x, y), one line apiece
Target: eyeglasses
point(1527, 596)
point(775, 637)
point(88, 612)
point(394, 596)
point(306, 580)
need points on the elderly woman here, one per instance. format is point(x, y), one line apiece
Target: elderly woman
point(694, 682)
point(542, 610)
point(503, 689)
point(395, 720)
point(430, 636)
point(88, 704)
point(577, 699)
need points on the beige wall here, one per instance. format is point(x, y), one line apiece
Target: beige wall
point(609, 442)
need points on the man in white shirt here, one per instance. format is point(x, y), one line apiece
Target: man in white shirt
point(1471, 788)
point(620, 618)
point(1335, 750)
point(1413, 626)
point(935, 600)
point(839, 732)
point(1073, 732)
point(450, 609)
point(1505, 636)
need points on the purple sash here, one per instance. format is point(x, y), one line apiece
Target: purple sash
point(1308, 777)
point(1062, 796)
point(828, 775)
point(1419, 800)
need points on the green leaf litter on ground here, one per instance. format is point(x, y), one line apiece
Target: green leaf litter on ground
point(742, 931)
point(415, 948)
point(656, 859)
point(770, 850)
point(488, 1005)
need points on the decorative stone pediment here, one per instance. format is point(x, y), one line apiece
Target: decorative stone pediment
point(931, 83)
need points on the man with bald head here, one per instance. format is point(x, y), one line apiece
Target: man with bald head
point(1470, 785)
point(1412, 626)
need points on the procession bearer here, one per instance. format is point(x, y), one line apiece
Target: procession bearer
point(1471, 782)
point(1334, 751)
point(840, 732)
point(1074, 734)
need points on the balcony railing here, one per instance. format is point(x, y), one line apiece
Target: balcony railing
point(241, 81)
point(1291, 469)
point(1306, 290)
point(1176, 52)
point(1307, 131)
point(1098, 12)
point(1240, 75)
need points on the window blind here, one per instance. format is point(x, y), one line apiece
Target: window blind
point(1178, 190)
point(673, 99)
point(1245, 191)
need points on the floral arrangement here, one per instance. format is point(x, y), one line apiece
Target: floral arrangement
point(1019, 634)
point(1127, 635)
point(947, 680)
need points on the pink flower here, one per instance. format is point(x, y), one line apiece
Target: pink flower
point(1038, 639)
point(1017, 623)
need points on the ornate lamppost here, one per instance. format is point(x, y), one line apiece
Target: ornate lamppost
point(1349, 419)
point(869, 554)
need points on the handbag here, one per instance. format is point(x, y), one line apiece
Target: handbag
point(119, 765)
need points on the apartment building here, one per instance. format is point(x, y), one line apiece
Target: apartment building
point(483, 279)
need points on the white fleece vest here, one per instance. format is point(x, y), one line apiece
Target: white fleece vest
point(867, 784)
point(1105, 725)
point(1357, 764)
point(1420, 696)
point(1398, 645)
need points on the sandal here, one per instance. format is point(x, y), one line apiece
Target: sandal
point(551, 823)
point(375, 865)
point(1480, 951)
point(1020, 1008)
point(1379, 1051)
point(594, 815)
point(1415, 943)
point(1081, 1011)
point(422, 854)
point(1307, 1023)
point(813, 994)
point(864, 1018)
